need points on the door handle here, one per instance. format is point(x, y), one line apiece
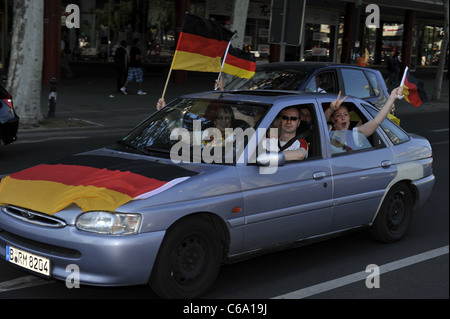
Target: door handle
point(386, 164)
point(319, 175)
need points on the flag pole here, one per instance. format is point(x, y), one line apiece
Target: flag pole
point(404, 76)
point(174, 57)
point(223, 62)
point(401, 83)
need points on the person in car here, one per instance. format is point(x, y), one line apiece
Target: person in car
point(287, 141)
point(343, 139)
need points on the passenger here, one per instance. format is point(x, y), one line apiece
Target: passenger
point(343, 139)
point(224, 117)
point(288, 141)
point(319, 83)
point(305, 115)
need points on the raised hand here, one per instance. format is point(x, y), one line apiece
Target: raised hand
point(161, 103)
point(336, 104)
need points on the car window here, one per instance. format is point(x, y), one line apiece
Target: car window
point(307, 130)
point(350, 140)
point(376, 87)
point(324, 82)
point(392, 130)
point(356, 83)
point(188, 124)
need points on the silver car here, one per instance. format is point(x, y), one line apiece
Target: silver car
point(177, 197)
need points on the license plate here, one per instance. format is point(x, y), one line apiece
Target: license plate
point(28, 260)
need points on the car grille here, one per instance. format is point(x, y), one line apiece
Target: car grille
point(7, 238)
point(33, 217)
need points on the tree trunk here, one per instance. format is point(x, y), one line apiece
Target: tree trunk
point(442, 58)
point(25, 70)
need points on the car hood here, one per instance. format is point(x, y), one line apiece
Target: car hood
point(99, 180)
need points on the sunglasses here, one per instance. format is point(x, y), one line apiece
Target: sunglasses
point(291, 118)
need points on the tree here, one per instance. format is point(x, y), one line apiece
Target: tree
point(25, 69)
point(442, 58)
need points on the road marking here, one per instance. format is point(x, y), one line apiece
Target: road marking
point(439, 143)
point(51, 139)
point(346, 280)
point(440, 130)
point(23, 282)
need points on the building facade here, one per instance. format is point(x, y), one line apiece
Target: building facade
point(329, 31)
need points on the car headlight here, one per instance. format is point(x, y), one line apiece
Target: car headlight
point(109, 223)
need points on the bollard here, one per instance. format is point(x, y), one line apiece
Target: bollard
point(52, 98)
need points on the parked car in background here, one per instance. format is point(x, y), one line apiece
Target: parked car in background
point(174, 199)
point(9, 121)
point(361, 82)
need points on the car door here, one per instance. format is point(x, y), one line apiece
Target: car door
point(292, 203)
point(360, 178)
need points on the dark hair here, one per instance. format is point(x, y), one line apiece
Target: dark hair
point(136, 40)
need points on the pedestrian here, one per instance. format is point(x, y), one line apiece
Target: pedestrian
point(135, 71)
point(121, 61)
point(65, 51)
point(395, 73)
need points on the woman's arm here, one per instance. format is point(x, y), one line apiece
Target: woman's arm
point(370, 127)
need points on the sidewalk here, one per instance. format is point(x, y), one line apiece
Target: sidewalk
point(90, 96)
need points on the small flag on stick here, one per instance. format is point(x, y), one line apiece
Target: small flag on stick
point(240, 63)
point(413, 89)
point(201, 45)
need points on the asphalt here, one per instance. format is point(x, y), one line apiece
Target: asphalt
point(89, 99)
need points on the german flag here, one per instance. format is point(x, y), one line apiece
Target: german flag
point(240, 63)
point(413, 90)
point(91, 182)
point(201, 45)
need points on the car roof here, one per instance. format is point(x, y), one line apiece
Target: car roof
point(304, 66)
point(259, 96)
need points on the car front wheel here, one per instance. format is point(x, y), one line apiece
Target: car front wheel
point(188, 261)
point(393, 219)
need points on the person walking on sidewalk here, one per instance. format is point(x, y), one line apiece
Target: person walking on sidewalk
point(121, 61)
point(396, 63)
point(135, 71)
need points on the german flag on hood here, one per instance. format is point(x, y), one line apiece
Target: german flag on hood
point(89, 181)
point(201, 45)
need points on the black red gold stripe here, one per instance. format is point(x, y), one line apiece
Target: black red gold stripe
point(240, 63)
point(201, 45)
point(413, 90)
point(91, 182)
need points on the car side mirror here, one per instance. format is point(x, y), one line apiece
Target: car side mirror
point(272, 159)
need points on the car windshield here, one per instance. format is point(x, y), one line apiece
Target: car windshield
point(198, 130)
point(269, 79)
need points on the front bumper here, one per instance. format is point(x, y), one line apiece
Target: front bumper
point(102, 260)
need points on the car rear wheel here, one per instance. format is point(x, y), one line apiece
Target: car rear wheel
point(188, 261)
point(393, 219)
